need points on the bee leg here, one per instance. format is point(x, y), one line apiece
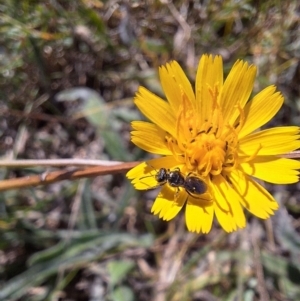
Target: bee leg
point(176, 193)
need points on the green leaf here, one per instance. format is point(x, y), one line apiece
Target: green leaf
point(118, 270)
point(286, 234)
point(280, 266)
point(122, 293)
point(87, 217)
point(287, 273)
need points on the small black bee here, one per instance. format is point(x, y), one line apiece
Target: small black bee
point(192, 184)
point(174, 178)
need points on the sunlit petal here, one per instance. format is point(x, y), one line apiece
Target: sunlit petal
point(261, 109)
point(199, 215)
point(156, 109)
point(234, 217)
point(149, 137)
point(236, 90)
point(272, 141)
point(273, 170)
point(209, 75)
point(175, 83)
point(254, 197)
point(168, 203)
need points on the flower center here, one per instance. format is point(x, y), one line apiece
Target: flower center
point(209, 148)
point(210, 152)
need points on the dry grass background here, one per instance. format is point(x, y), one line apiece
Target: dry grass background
point(68, 73)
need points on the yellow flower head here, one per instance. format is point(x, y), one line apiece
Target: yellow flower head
point(212, 151)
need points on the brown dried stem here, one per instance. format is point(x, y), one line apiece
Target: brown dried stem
point(55, 176)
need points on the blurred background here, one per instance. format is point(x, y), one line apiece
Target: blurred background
point(68, 74)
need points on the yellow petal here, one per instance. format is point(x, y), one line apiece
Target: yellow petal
point(168, 203)
point(231, 219)
point(137, 171)
point(156, 109)
point(254, 197)
point(218, 185)
point(225, 219)
point(274, 141)
point(154, 164)
point(236, 90)
point(199, 216)
point(143, 178)
point(261, 109)
point(149, 137)
point(209, 75)
point(175, 83)
point(273, 170)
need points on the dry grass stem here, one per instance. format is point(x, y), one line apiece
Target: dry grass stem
point(55, 176)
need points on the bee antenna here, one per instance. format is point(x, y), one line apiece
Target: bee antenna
point(150, 175)
point(152, 166)
point(146, 177)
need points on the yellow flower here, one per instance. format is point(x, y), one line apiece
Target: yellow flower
point(209, 138)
